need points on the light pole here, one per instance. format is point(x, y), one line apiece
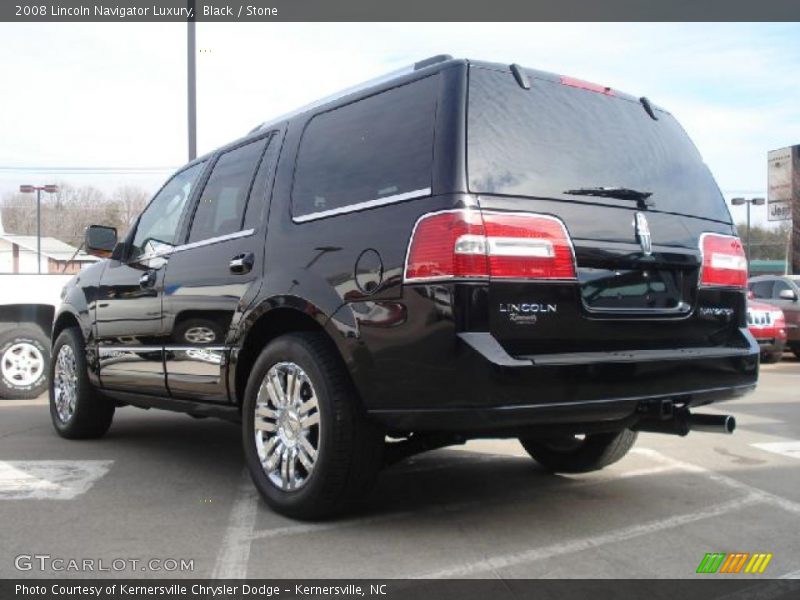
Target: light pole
point(191, 82)
point(28, 189)
point(748, 202)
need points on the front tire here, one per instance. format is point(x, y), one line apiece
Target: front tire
point(310, 449)
point(770, 358)
point(24, 361)
point(77, 409)
point(571, 454)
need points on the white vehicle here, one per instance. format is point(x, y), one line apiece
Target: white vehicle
point(27, 305)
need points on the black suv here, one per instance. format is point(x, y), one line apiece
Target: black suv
point(457, 250)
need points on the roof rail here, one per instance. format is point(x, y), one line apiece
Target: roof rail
point(433, 60)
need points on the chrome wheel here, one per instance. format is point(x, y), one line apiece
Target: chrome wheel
point(287, 427)
point(200, 335)
point(22, 364)
point(65, 383)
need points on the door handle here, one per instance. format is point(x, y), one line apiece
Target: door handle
point(148, 279)
point(242, 263)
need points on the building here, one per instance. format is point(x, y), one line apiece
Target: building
point(18, 255)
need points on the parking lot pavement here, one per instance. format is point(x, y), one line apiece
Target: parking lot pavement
point(166, 486)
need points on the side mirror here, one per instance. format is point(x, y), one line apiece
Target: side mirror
point(100, 240)
point(787, 295)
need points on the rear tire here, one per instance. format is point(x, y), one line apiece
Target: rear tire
point(24, 362)
point(795, 349)
point(311, 451)
point(569, 454)
point(77, 408)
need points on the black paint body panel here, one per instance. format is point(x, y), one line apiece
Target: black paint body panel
point(405, 345)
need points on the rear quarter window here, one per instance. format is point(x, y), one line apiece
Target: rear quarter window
point(376, 150)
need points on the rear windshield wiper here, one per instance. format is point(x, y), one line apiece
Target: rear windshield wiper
point(621, 193)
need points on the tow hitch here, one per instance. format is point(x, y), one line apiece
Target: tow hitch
point(664, 417)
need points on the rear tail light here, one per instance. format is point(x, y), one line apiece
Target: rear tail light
point(724, 261)
point(469, 244)
point(446, 245)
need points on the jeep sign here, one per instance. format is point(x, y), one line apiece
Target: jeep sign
point(780, 172)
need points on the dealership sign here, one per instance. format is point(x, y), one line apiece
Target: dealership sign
point(783, 199)
point(783, 170)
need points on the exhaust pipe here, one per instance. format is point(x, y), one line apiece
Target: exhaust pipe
point(682, 422)
point(712, 423)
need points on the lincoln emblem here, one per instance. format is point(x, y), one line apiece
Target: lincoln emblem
point(643, 233)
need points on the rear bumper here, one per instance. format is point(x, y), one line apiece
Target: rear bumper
point(490, 390)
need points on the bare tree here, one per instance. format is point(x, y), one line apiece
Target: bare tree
point(131, 201)
point(66, 214)
point(770, 242)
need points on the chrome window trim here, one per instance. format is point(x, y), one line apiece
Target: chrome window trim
point(363, 205)
point(198, 244)
point(215, 240)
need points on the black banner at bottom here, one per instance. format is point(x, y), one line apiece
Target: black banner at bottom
point(394, 589)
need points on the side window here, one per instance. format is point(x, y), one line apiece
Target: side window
point(258, 195)
point(221, 207)
point(762, 289)
point(779, 287)
point(370, 150)
point(158, 225)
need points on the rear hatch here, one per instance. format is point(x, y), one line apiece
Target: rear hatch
point(635, 198)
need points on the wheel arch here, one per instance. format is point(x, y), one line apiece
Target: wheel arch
point(65, 320)
point(36, 314)
point(271, 319)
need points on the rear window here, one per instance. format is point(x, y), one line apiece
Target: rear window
point(552, 138)
point(374, 151)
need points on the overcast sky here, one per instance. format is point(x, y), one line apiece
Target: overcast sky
point(114, 95)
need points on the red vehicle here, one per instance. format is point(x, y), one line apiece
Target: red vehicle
point(768, 326)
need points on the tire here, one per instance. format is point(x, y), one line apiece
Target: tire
point(348, 447)
point(24, 362)
point(572, 455)
point(795, 348)
point(199, 332)
point(77, 408)
point(769, 358)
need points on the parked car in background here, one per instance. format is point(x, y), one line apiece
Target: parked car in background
point(768, 326)
point(27, 305)
point(782, 291)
